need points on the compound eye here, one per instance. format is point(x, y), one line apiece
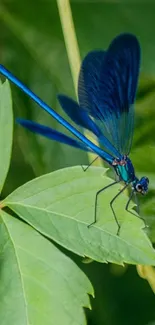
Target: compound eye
point(139, 188)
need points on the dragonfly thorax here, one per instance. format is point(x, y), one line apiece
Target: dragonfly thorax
point(124, 169)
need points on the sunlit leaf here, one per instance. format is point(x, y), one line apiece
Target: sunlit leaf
point(39, 284)
point(6, 130)
point(61, 206)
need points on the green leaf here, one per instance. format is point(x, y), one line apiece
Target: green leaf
point(61, 206)
point(6, 130)
point(149, 211)
point(43, 54)
point(39, 284)
point(145, 89)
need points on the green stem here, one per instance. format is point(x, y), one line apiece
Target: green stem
point(72, 50)
point(70, 38)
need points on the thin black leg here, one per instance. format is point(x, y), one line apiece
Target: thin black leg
point(84, 169)
point(137, 204)
point(128, 202)
point(136, 201)
point(96, 197)
point(111, 205)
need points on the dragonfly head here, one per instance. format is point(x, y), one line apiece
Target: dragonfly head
point(141, 185)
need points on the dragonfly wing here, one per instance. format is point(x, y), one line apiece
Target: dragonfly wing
point(107, 89)
point(77, 114)
point(51, 134)
point(60, 137)
point(80, 116)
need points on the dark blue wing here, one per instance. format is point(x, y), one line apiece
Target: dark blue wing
point(51, 134)
point(107, 89)
point(87, 143)
point(80, 116)
point(77, 114)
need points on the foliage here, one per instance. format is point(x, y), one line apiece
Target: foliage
point(33, 270)
point(32, 47)
point(60, 206)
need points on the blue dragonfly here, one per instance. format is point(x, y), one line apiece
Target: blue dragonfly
point(107, 88)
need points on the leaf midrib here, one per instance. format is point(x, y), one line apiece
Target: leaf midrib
point(79, 221)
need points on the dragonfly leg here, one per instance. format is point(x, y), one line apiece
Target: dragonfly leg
point(84, 169)
point(137, 204)
point(96, 198)
point(136, 201)
point(111, 205)
point(128, 202)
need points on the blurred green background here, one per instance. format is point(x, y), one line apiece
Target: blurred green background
point(32, 47)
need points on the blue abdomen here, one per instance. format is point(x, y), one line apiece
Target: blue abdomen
point(126, 171)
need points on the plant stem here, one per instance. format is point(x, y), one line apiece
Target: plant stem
point(72, 51)
point(70, 38)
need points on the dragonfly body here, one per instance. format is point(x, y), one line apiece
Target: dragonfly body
point(106, 94)
point(124, 169)
point(126, 173)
